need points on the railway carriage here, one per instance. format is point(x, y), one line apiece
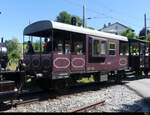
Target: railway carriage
point(56, 55)
point(139, 58)
point(74, 52)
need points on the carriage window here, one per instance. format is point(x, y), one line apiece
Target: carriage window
point(60, 47)
point(90, 47)
point(96, 47)
point(61, 42)
point(112, 49)
point(103, 48)
point(134, 48)
point(67, 47)
point(78, 47)
point(124, 48)
point(78, 43)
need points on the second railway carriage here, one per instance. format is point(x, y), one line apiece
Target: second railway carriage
point(73, 52)
point(139, 58)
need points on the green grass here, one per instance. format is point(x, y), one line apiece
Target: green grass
point(86, 80)
point(12, 66)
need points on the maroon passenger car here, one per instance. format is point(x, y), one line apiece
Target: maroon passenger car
point(72, 53)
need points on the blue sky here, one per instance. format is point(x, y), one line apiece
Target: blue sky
point(17, 13)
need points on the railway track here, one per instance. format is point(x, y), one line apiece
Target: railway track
point(29, 97)
point(84, 108)
point(137, 109)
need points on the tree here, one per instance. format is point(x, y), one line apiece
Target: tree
point(91, 28)
point(148, 36)
point(142, 34)
point(14, 52)
point(36, 45)
point(128, 33)
point(65, 17)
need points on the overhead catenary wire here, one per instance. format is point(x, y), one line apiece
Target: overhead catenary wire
point(100, 13)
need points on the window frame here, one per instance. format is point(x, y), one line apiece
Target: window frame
point(112, 49)
point(93, 52)
point(127, 48)
point(102, 55)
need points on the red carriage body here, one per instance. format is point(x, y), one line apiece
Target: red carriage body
point(74, 50)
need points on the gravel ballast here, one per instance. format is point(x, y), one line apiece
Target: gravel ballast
point(117, 99)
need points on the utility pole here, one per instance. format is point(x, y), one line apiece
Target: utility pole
point(145, 26)
point(84, 16)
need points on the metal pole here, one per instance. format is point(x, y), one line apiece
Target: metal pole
point(84, 16)
point(145, 27)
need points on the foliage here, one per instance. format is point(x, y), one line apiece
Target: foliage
point(128, 33)
point(91, 28)
point(96, 47)
point(65, 17)
point(36, 45)
point(86, 80)
point(14, 52)
point(148, 36)
point(142, 34)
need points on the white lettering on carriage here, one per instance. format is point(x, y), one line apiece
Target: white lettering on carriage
point(63, 66)
point(78, 66)
point(90, 68)
point(108, 63)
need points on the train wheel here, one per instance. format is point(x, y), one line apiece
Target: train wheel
point(20, 82)
point(97, 77)
point(117, 79)
point(43, 83)
point(61, 85)
point(138, 74)
point(146, 73)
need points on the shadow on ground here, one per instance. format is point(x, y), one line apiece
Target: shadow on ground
point(5, 106)
point(138, 106)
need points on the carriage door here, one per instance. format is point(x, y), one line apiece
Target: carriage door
point(78, 52)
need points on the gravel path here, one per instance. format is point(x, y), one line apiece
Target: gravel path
point(117, 99)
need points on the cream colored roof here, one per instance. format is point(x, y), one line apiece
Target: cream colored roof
point(45, 25)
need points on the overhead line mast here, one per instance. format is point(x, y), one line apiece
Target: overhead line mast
point(84, 16)
point(145, 26)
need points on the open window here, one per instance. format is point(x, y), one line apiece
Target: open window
point(97, 50)
point(61, 42)
point(78, 44)
point(124, 48)
point(96, 47)
point(134, 49)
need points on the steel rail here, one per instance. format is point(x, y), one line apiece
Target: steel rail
point(137, 109)
point(86, 107)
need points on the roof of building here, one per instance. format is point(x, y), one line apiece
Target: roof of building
point(114, 24)
point(47, 25)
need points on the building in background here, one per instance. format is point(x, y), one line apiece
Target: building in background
point(115, 28)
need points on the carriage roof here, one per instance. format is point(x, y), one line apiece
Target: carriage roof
point(46, 25)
